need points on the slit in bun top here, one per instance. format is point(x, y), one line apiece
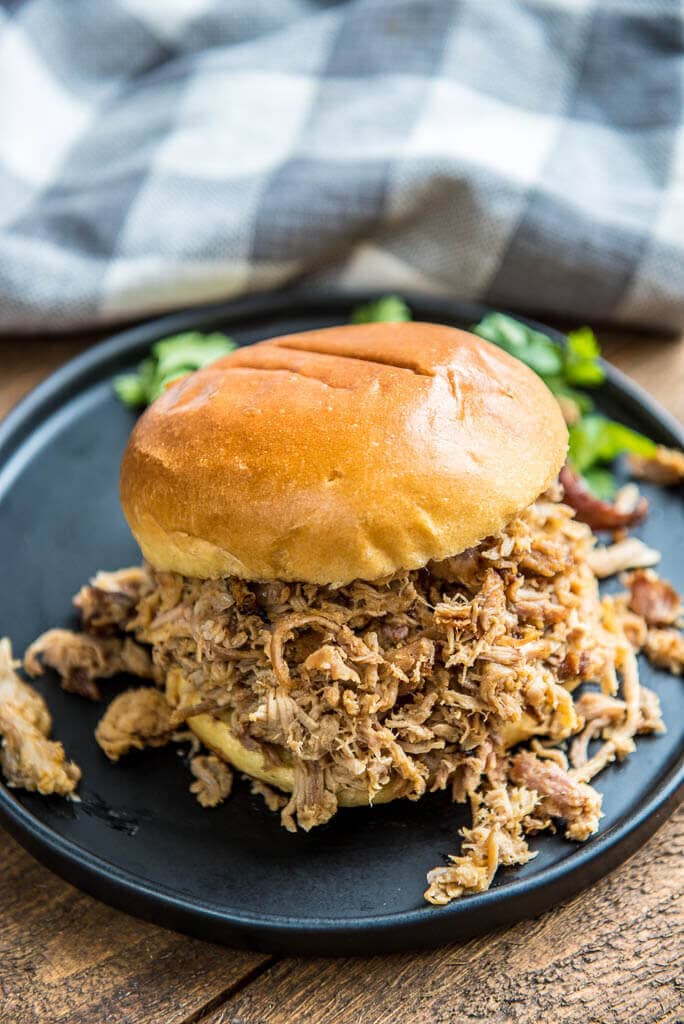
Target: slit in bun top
point(340, 454)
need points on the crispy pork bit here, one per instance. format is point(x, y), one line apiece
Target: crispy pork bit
point(496, 838)
point(81, 658)
point(665, 648)
point(578, 804)
point(108, 601)
point(654, 599)
point(630, 553)
point(134, 720)
point(666, 467)
point(598, 514)
point(213, 780)
point(28, 759)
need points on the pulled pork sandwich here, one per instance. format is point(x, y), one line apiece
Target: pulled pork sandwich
point(362, 584)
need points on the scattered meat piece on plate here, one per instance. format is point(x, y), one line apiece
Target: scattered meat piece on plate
point(627, 498)
point(631, 553)
point(80, 659)
point(594, 704)
point(495, 838)
point(213, 780)
point(135, 719)
point(665, 648)
point(653, 598)
point(650, 715)
point(596, 513)
point(562, 795)
point(29, 760)
point(273, 798)
point(108, 602)
point(598, 710)
point(666, 467)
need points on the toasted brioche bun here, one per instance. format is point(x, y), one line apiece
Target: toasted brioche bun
point(217, 735)
point(338, 454)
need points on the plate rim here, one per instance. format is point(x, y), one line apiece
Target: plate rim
point(104, 879)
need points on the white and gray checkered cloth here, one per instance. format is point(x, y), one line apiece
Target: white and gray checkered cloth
point(162, 153)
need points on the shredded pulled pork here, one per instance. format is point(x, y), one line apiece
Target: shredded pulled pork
point(665, 647)
point(81, 658)
point(107, 602)
point(630, 553)
point(656, 601)
point(598, 514)
point(134, 720)
point(29, 760)
point(561, 794)
point(213, 780)
point(401, 686)
point(666, 467)
point(496, 838)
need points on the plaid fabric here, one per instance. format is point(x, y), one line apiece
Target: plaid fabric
point(160, 153)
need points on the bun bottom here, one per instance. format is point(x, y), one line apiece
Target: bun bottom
point(217, 735)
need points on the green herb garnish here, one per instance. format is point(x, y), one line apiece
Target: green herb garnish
point(581, 359)
point(561, 366)
point(170, 359)
point(600, 482)
point(532, 347)
point(595, 440)
point(387, 309)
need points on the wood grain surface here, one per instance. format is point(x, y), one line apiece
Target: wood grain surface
point(613, 955)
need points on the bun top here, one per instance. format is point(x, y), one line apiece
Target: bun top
point(338, 454)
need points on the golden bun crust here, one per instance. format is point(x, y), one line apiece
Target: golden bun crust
point(345, 453)
point(217, 735)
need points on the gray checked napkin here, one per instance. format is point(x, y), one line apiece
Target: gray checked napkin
point(162, 153)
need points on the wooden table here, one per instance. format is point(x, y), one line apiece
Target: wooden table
point(611, 956)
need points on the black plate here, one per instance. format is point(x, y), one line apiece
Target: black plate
point(139, 840)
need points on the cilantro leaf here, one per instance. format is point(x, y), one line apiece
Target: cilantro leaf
point(170, 359)
point(560, 366)
point(538, 351)
point(581, 359)
point(600, 482)
point(596, 439)
point(130, 389)
point(387, 309)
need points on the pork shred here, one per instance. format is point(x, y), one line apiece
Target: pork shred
point(664, 467)
point(598, 514)
point(134, 720)
point(665, 648)
point(630, 553)
point(213, 780)
point(28, 758)
point(81, 658)
point(655, 600)
point(406, 685)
